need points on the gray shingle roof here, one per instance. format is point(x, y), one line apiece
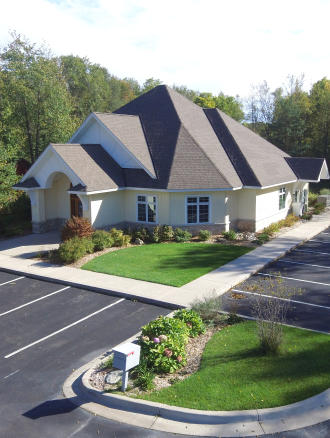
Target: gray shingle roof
point(128, 130)
point(93, 166)
point(306, 168)
point(266, 161)
point(30, 183)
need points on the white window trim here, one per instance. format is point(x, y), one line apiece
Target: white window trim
point(186, 210)
point(137, 211)
point(279, 197)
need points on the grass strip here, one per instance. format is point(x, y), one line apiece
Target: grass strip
point(173, 264)
point(235, 376)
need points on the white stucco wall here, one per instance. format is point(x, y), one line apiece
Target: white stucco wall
point(267, 205)
point(56, 199)
point(107, 208)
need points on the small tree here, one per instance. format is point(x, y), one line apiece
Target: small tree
point(272, 302)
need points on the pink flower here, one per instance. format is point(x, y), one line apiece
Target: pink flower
point(189, 324)
point(156, 340)
point(179, 359)
point(168, 352)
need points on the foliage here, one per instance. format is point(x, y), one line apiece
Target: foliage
point(270, 306)
point(119, 239)
point(320, 207)
point(163, 344)
point(192, 320)
point(101, 239)
point(161, 233)
point(263, 238)
point(271, 229)
point(13, 231)
point(316, 211)
point(182, 235)
point(233, 375)
point(312, 198)
point(290, 220)
point(149, 84)
point(229, 235)
point(76, 226)
point(37, 100)
point(145, 376)
point(108, 363)
point(174, 264)
point(325, 192)
point(140, 232)
point(204, 235)
point(73, 249)
point(209, 307)
point(306, 216)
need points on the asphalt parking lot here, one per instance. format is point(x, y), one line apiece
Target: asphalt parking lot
point(48, 330)
point(306, 268)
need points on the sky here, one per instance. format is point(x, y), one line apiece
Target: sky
point(207, 45)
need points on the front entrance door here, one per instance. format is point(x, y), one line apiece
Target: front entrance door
point(76, 206)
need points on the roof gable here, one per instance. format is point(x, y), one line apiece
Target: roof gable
point(309, 169)
point(121, 136)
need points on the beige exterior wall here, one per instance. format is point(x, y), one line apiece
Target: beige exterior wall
point(107, 208)
point(267, 205)
point(163, 205)
point(57, 200)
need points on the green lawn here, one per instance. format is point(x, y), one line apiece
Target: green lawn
point(234, 375)
point(174, 264)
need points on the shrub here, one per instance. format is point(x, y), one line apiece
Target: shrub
point(72, 250)
point(163, 344)
point(13, 231)
point(306, 217)
point(209, 307)
point(108, 364)
point(290, 220)
point(161, 233)
point(312, 197)
point(181, 235)
point(145, 376)
point(324, 192)
point(204, 235)
point(320, 206)
point(76, 227)
point(119, 239)
point(229, 235)
point(263, 238)
point(192, 320)
point(101, 240)
point(141, 233)
point(270, 306)
point(316, 211)
point(271, 229)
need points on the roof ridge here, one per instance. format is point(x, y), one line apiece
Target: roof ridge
point(193, 138)
point(234, 141)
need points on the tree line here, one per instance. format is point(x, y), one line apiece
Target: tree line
point(44, 99)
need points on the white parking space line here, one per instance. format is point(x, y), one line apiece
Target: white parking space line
point(318, 241)
point(34, 301)
point(295, 279)
point(12, 374)
point(314, 252)
point(282, 299)
point(299, 263)
point(12, 281)
point(64, 328)
point(325, 233)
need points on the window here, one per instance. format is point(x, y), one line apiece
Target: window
point(282, 198)
point(296, 196)
point(198, 209)
point(146, 208)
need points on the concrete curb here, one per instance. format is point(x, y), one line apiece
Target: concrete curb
point(157, 416)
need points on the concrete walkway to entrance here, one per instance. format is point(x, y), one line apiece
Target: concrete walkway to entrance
point(15, 256)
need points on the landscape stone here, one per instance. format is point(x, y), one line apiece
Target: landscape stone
point(139, 242)
point(113, 377)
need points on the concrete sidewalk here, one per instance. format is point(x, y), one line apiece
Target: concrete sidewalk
point(15, 257)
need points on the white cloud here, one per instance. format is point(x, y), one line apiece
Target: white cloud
point(210, 45)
